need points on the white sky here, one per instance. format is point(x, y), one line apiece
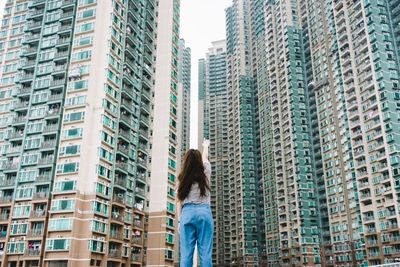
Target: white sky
point(202, 22)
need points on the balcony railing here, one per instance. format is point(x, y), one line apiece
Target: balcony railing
point(32, 252)
point(35, 233)
point(40, 195)
point(114, 253)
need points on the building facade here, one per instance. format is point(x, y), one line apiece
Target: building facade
point(343, 78)
point(185, 69)
point(202, 110)
point(77, 81)
point(216, 107)
point(322, 77)
point(166, 152)
point(243, 137)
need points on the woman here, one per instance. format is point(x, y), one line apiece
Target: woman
point(196, 224)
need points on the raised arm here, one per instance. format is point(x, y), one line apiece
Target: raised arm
point(206, 144)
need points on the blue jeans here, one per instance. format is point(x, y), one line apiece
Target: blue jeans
point(196, 226)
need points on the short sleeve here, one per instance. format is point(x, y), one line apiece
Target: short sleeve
point(207, 169)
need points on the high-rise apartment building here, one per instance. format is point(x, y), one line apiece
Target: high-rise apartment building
point(184, 73)
point(202, 109)
point(323, 79)
point(335, 63)
point(166, 151)
point(76, 96)
point(244, 170)
point(216, 103)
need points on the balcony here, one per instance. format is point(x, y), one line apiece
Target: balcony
point(46, 160)
point(33, 25)
point(32, 252)
point(4, 217)
point(35, 233)
point(67, 2)
point(123, 149)
point(136, 257)
point(50, 128)
point(32, 38)
point(138, 223)
point(26, 77)
point(40, 195)
point(62, 41)
point(37, 214)
point(43, 178)
point(116, 235)
point(114, 253)
point(122, 165)
point(119, 199)
point(140, 191)
point(117, 217)
point(6, 200)
point(137, 240)
point(67, 15)
point(121, 182)
point(7, 182)
point(10, 166)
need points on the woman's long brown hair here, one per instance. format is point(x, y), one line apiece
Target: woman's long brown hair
point(192, 172)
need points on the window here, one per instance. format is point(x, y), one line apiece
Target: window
point(64, 186)
point(27, 175)
point(61, 224)
point(50, 29)
point(105, 154)
point(32, 142)
point(106, 137)
point(21, 211)
point(97, 246)
point(75, 116)
point(86, 40)
point(47, 54)
point(171, 163)
point(68, 167)
point(169, 254)
point(107, 121)
point(86, 14)
point(171, 177)
point(170, 207)
point(103, 189)
point(85, 27)
point(79, 85)
point(16, 247)
point(19, 228)
point(24, 192)
point(63, 205)
point(86, 2)
point(75, 101)
point(49, 41)
point(83, 55)
point(44, 68)
point(98, 226)
point(57, 244)
point(169, 238)
point(30, 158)
point(100, 208)
point(72, 133)
point(41, 82)
point(104, 171)
point(70, 150)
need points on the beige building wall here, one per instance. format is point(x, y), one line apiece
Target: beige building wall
point(165, 142)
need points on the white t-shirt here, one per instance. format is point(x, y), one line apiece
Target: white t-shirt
point(194, 194)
